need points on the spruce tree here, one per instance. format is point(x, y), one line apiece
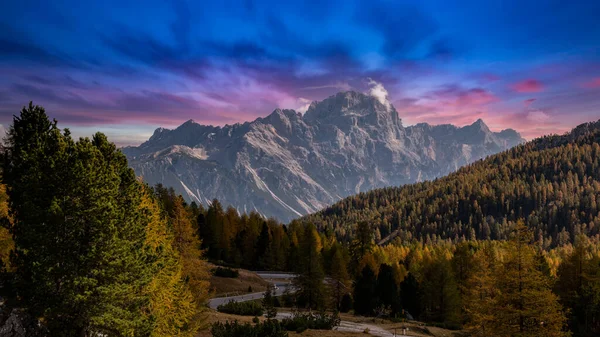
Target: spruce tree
point(365, 292)
point(388, 290)
point(80, 257)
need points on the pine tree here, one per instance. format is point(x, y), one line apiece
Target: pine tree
point(79, 240)
point(409, 295)
point(309, 281)
point(388, 289)
point(263, 248)
point(365, 292)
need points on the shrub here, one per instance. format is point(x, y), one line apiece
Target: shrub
point(226, 272)
point(250, 308)
point(302, 321)
point(287, 299)
point(268, 328)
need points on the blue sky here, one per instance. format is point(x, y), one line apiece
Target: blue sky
point(126, 68)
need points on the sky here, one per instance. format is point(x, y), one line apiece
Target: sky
point(126, 68)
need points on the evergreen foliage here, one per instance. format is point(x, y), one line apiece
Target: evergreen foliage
point(552, 182)
point(79, 255)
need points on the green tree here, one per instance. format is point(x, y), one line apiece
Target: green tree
point(409, 294)
point(388, 289)
point(309, 282)
point(80, 257)
point(365, 292)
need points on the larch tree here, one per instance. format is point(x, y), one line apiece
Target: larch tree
point(171, 305)
point(480, 292)
point(187, 244)
point(525, 305)
point(6, 241)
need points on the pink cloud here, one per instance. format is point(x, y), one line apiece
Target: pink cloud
point(451, 104)
point(528, 102)
point(457, 97)
point(595, 83)
point(530, 123)
point(527, 86)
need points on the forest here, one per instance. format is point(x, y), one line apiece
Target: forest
point(505, 247)
point(553, 183)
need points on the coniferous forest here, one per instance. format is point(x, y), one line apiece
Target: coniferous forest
point(508, 246)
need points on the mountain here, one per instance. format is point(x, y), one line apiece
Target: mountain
point(553, 183)
point(288, 165)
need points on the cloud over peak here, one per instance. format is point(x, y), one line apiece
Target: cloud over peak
point(378, 91)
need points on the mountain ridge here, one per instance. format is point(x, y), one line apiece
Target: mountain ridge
point(289, 164)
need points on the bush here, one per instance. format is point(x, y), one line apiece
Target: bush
point(250, 308)
point(287, 299)
point(299, 322)
point(268, 328)
point(226, 272)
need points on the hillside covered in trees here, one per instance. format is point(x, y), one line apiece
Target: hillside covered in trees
point(552, 182)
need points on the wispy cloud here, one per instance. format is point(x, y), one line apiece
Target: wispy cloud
point(528, 86)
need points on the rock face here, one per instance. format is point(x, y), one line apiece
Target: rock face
point(287, 164)
point(20, 324)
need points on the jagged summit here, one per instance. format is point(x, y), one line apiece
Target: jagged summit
point(288, 164)
point(348, 104)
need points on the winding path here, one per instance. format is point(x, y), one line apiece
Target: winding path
point(281, 281)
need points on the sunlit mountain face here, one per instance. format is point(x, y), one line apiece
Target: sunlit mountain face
point(126, 69)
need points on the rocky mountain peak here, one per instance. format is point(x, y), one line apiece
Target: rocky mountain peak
point(288, 164)
point(352, 107)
